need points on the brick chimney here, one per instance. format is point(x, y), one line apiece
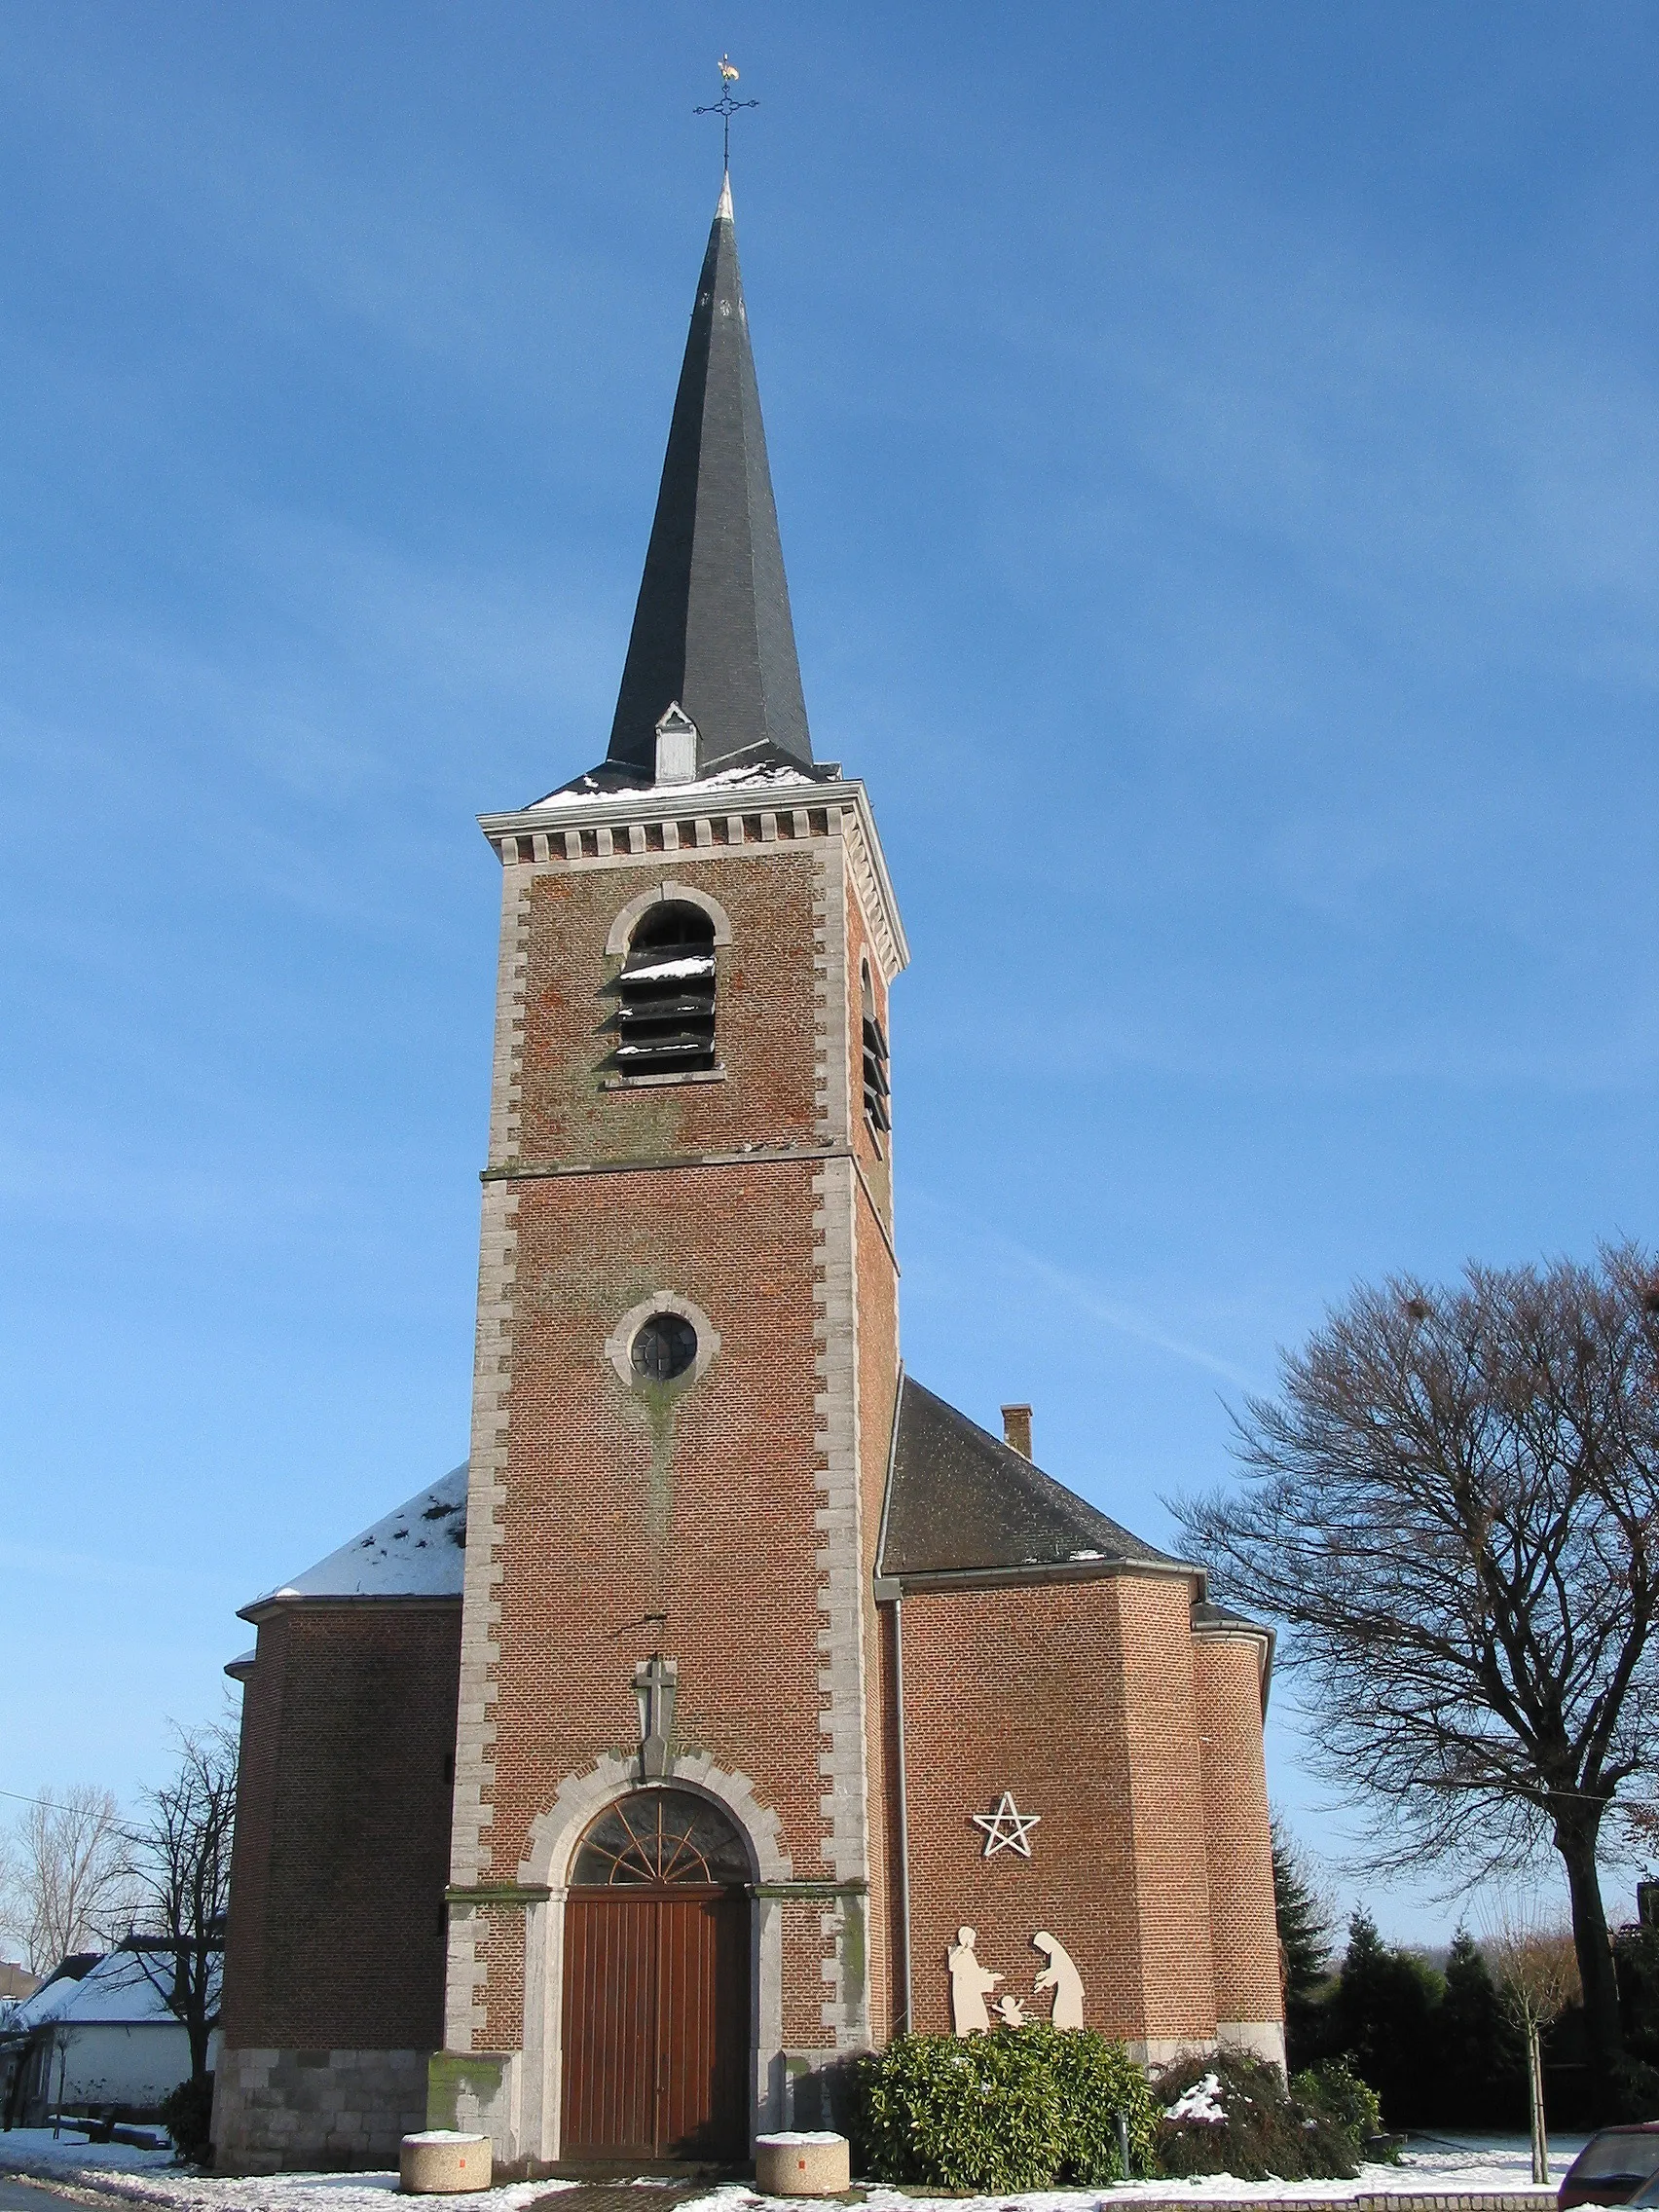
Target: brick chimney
point(1016, 1429)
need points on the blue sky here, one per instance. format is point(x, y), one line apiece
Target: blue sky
point(1215, 450)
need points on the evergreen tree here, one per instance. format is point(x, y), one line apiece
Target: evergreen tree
point(1302, 1915)
point(1481, 2075)
point(1382, 2014)
point(1636, 1958)
point(1303, 1919)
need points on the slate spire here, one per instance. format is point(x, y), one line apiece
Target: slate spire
point(712, 630)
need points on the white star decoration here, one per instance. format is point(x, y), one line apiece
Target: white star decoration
point(1007, 1828)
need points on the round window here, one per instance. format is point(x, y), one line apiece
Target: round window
point(665, 1348)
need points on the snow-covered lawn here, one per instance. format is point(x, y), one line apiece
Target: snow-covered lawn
point(1430, 2165)
point(150, 2177)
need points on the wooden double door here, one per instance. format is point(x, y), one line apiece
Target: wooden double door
point(655, 2024)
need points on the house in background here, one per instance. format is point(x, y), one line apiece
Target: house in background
point(15, 1983)
point(96, 2037)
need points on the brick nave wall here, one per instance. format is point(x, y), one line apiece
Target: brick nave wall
point(1077, 1697)
point(1244, 1932)
point(335, 1937)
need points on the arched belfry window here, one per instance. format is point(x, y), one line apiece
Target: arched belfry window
point(667, 1021)
point(875, 1087)
point(661, 1839)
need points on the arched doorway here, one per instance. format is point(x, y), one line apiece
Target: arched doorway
point(656, 1984)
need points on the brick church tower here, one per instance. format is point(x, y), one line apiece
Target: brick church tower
point(688, 1328)
point(788, 1708)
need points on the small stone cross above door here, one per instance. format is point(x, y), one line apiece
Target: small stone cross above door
point(656, 1683)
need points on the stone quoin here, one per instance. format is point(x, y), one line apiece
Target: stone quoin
point(604, 1798)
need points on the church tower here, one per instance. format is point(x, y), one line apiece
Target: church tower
point(686, 1373)
point(740, 1703)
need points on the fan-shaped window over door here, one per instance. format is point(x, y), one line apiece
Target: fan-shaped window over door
point(666, 1837)
point(656, 1984)
point(667, 1018)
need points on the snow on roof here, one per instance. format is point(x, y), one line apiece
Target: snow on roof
point(757, 776)
point(417, 1551)
point(124, 1988)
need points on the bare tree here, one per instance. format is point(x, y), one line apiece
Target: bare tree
point(10, 1893)
point(68, 1885)
point(181, 1861)
point(1454, 1508)
point(1537, 1976)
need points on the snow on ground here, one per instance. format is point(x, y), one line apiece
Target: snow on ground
point(1429, 2164)
point(27, 2150)
point(150, 2177)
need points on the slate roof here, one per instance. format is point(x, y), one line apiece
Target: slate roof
point(961, 1500)
point(417, 1551)
point(712, 628)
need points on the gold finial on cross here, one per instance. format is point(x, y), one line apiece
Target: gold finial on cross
point(726, 107)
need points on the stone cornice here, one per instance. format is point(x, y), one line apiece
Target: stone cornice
point(1235, 1631)
point(268, 1609)
point(747, 1155)
point(943, 1581)
point(658, 811)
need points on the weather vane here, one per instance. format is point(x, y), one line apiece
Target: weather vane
point(726, 107)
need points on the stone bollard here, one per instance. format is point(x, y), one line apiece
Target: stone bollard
point(439, 2163)
point(803, 2164)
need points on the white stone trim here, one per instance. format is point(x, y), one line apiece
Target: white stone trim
point(619, 1345)
point(841, 1759)
point(551, 1847)
point(512, 968)
point(668, 893)
point(581, 1798)
point(866, 879)
point(1256, 2039)
point(844, 1802)
point(471, 1859)
point(1151, 2055)
point(832, 1052)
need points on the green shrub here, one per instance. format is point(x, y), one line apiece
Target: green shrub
point(186, 2113)
point(1021, 2108)
point(1097, 2081)
point(1333, 2089)
point(1263, 2133)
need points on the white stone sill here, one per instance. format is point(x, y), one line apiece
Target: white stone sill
point(661, 1081)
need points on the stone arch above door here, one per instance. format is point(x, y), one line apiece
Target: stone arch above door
point(555, 1833)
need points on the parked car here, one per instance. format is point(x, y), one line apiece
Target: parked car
point(1618, 2167)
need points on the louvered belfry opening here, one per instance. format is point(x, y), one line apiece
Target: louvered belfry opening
point(666, 1019)
point(877, 1092)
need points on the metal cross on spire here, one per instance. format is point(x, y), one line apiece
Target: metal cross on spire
point(726, 107)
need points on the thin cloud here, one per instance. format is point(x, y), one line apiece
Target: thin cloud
point(1078, 1291)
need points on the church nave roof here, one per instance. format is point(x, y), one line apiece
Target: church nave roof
point(961, 1501)
point(416, 1550)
